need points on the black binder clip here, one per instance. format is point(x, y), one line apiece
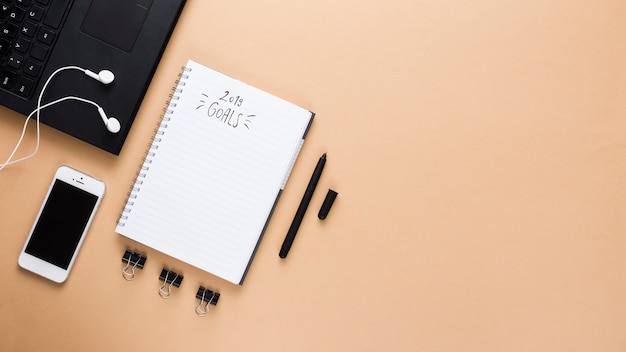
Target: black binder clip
point(206, 297)
point(133, 261)
point(171, 278)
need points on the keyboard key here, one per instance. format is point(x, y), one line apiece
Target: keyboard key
point(32, 68)
point(16, 14)
point(5, 46)
point(4, 10)
point(36, 13)
point(55, 13)
point(7, 79)
point(28, 29)
point(9, 31)
point(15, 61)
point(21, 45)
point(24, 86)
point(38, 52)
point(45, 36)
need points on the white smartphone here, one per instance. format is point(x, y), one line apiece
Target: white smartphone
point(61, 224)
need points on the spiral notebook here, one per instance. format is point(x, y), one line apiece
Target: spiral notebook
point(214, 172)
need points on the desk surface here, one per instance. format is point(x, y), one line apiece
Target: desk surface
point(478, 149)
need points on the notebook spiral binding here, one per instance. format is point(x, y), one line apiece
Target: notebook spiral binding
point(154, 144)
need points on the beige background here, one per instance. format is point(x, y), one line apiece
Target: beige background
point(479, 152)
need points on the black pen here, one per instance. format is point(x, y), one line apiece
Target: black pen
point(306, 199)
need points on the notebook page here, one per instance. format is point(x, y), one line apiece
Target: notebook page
point(211, 184)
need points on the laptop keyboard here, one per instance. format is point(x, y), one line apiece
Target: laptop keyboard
point(28, 31)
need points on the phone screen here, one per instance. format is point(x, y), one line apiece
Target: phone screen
point(61, 224)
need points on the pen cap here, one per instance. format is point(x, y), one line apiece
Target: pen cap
point(328, 202)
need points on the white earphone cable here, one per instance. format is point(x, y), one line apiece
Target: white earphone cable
point(9, 160)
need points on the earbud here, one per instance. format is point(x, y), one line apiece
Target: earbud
point(113, 125)
point(104, 76)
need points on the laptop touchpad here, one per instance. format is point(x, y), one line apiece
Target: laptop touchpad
point(116, 22)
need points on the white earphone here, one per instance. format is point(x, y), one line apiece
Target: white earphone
point(112, 124)
point(104, 76)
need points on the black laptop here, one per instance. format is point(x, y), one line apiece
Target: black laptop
point(126, 37)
